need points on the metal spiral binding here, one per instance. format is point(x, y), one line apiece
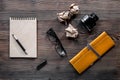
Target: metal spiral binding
point(22, 18)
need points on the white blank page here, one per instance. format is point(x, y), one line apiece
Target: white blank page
point(25, 29)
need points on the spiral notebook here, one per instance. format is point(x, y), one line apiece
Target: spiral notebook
point(24, 30)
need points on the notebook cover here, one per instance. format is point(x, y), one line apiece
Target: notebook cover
point(25, 29)
point(87, 57)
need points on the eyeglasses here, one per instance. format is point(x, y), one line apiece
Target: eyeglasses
point(55, 40)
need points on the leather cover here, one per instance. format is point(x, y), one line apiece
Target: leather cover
point(88, 55)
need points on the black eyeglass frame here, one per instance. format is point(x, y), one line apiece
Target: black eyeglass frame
point(56, 41)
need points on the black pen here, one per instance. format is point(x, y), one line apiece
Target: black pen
point(19, 43)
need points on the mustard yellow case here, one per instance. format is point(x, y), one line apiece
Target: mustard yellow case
point(88, 55)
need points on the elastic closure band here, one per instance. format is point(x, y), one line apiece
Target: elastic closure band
point(94, 51)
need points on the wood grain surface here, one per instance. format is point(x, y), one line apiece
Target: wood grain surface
point(107, 68)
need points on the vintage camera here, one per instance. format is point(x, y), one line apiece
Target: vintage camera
point(89, 21)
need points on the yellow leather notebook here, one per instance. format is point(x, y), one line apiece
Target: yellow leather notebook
point(93, 51)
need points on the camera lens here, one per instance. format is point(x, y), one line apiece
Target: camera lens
point(94, 17)
point(89, 21)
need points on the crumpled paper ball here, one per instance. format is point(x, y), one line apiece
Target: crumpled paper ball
point(71, 32)
point(74, 9)
point(66, 15)
point(63, 16)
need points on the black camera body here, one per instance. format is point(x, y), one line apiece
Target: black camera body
point(89, 21)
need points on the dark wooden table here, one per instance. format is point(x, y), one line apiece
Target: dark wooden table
point(107, 68)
